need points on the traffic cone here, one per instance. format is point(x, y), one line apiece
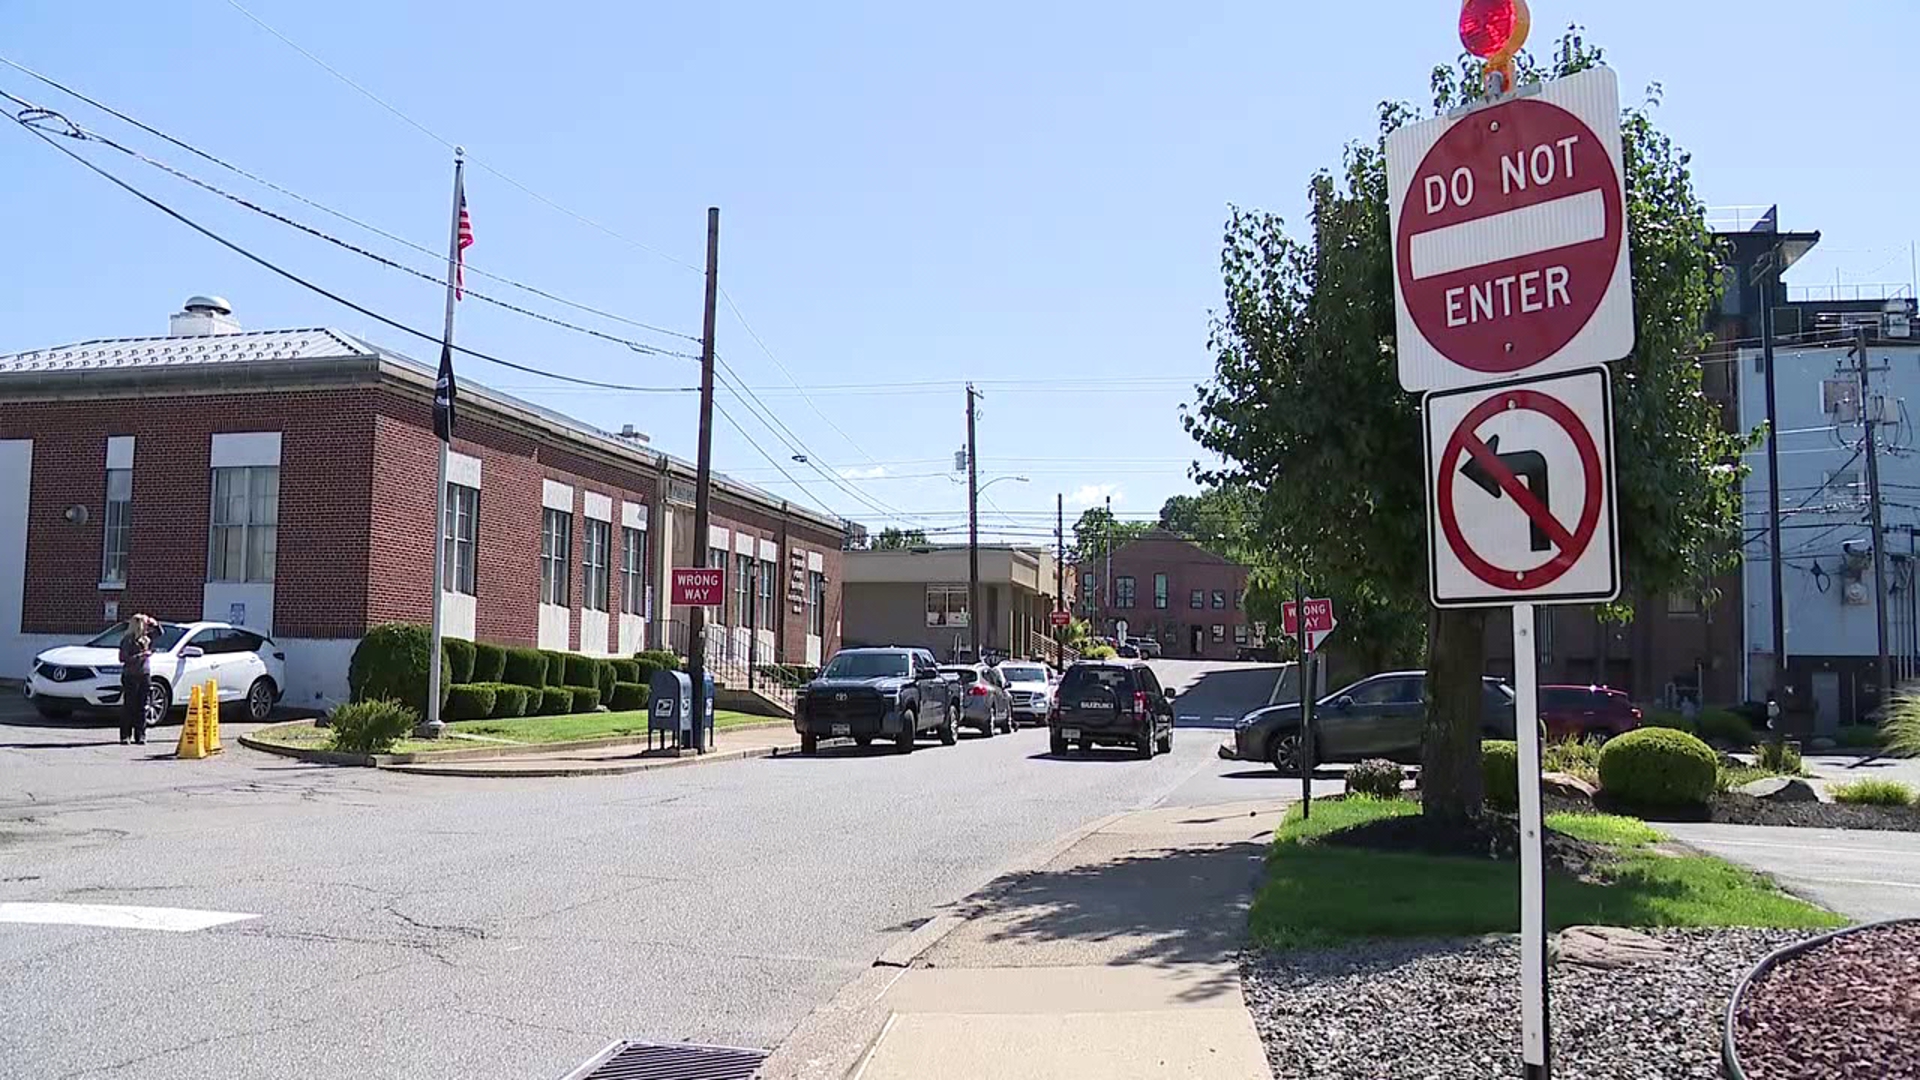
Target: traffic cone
point(191, 747)
point(210, 717)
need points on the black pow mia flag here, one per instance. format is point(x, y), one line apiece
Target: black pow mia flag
point(443, 394)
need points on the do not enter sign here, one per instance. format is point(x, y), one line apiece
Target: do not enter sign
point(1509, 231)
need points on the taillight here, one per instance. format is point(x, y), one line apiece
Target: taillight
point(976, 690)
point(1636, 713)
point(1140, 704)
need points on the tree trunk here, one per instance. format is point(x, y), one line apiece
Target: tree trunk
point(1451, 787)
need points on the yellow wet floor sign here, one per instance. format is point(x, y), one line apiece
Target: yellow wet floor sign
point(191, 744)
point(210, 717)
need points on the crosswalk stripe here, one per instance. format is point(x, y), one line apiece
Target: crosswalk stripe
point(118, 916)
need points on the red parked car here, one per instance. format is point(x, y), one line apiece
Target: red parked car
point(1575, 712)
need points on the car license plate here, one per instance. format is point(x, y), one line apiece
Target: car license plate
point(1070, 733)
point(843, 729)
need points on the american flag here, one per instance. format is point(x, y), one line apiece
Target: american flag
point(466, 241)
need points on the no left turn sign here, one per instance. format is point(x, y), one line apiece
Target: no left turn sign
point(1509, 232)
point(1520, 493)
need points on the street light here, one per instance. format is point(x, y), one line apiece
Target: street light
point(997, 479)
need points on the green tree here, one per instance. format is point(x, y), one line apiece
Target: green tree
point(892, 539)
point(1305, 405)
point(1098, 532)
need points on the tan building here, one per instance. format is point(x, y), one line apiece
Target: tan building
point(918, 597)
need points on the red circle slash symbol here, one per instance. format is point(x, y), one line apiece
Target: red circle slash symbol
point(1568, 544)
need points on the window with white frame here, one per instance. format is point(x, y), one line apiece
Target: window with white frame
point(595, 563)
point(1197, 599)
point(769, 573)
point(1219, 632)
point(244, 539)
point(1240, 634)
point(946, 605)
point(1123, 591)
point(633, 571)
point(816, 603)
point(118, 532)
point(460, 536)
point(743, 590)
point(717, 559)
point(556, 557)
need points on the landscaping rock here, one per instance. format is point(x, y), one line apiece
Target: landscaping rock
point(1609, 947)
point(1781, 789)
point(1568, 786)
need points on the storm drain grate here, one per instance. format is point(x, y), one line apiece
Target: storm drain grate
point(671, 1061)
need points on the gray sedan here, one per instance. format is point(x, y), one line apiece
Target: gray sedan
point(1382, 716)
point(985, 705)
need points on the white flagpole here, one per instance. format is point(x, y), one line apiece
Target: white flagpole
point(433, 727)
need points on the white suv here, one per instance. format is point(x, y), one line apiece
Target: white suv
point(249, 668)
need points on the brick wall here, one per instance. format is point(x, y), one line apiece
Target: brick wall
point(1188, 567)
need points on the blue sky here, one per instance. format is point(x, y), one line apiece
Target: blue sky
point(1025, 195)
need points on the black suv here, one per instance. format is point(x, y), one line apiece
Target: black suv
point(1111, 703)
point(890, 693)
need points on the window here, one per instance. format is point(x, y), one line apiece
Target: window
point(1160, 591)
point(1682, 603)
point(1197, 600)
point(459, 534)
point(742, 590)
point(633, 571)
point(595, 562)
point(1220, 599)
point(556, 557)
point(1219, 632)
point(1123, 592)
point(1086, 588)
point(946, 605)
point(768, 573)
point(1240, 634)
point(118, 522)
point(717, 559)
point(1239, 599)
point(1398, 690)
point(817, 603)
point(246, 523)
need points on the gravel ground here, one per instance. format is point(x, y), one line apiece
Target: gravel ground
point(1845, 1010)
point(1448, 1010)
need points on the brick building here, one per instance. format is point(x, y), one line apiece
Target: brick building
point(284, 479)
point(1173, 590)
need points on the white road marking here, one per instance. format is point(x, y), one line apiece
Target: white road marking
point(1850, 881)
point(1513, 234)
point(118, 916)
point(1226, 719)
point(1825, 849)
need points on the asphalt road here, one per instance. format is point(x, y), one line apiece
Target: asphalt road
point(1864, 875)
point(449, 928)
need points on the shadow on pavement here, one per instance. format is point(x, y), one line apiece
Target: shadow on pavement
point(1222, 696)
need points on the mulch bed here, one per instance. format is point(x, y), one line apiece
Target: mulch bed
point(1847, 1009)
point(1490, 836)
point(1734, 808)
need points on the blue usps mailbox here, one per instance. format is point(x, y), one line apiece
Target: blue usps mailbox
point(670, 707)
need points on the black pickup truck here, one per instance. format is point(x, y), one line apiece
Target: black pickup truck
point(891, 693)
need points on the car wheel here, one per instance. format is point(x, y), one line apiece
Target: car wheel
point(51, 711)
point(1166, 742)
point(950, 732)
point(1143, 747)
point(863, 740)
point(809, 744)
point(159, 703)
point(1056, 745)
point(992, 727)
point(903, 742)
point(1284, 752)
point(260, 700)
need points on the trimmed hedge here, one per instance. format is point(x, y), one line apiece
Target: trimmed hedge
point(586, 699)
point(1658, 767)
point(510, 701)
point(628, 696)
point(1725, 725)
point(470, 701)
point(659, 658)
point(582, 671)
point(604, 678)
point(489, 662)
point(371, 726)
point(556, 701)
point(559, 668)
point(1500, 773)
point(625, 670)
point(459, 659)
point(526, 667)
point(391, 663)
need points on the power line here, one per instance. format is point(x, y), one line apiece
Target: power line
point(785, 435)
point(770, 460)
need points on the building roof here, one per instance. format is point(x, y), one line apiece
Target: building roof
point(280, 351)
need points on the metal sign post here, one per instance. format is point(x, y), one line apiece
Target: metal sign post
point(1534, 1039)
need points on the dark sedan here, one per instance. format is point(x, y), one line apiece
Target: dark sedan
point(1383, 716)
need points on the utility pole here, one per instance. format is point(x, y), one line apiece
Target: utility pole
point(1059, 572)
point(703, 480)
point(1775, 566)
point(1873, 513)
point(973, 532)
point(1106, 542)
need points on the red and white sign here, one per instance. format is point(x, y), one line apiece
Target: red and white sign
point(1320, 622)
point(1520, 493)
point(1060, 618)
point(699, 586)
point(1509, 235)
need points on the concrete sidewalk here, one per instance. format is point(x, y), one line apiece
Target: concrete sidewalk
point(1862, 874)
point(729, 744)
point(1111, 957)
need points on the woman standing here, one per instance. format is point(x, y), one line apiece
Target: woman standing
point(136, 646)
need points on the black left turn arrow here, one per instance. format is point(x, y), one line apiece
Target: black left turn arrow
point(1529, 465)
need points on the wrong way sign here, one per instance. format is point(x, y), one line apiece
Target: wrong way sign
point(1320, 622)
point(1520, 492)
point(1509, 233)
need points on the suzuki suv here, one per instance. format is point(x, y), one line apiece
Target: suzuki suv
point(1111, 703)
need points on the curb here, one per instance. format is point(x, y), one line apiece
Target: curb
point(428, 768)
point(392, 761)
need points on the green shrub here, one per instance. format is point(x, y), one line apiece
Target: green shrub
point(605, 677)
point(1900, 730)
point(526, 667)
point(625, 670)
point(556, 667)
point(628, 696)
point(586, 699)
point(510, 701)
point(1659, 767)
point(1726, 726)
point(659, 658)
point(1500, 773)
point(391, 663)
point(581, 671)
point(1099, 652)
point(1861, 737)
point(489, 662)
point(470, 701)
point(459, 659)
point(1778, 758)
point(1575, 757)
point(1666, 718)
point(556, 701)
point(1375, 779)
point(371, 726)
point(1873, 792)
